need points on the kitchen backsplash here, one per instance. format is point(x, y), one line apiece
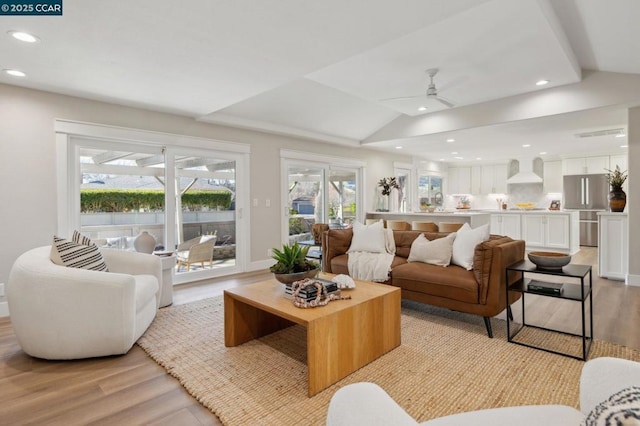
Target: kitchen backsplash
point(518, 193)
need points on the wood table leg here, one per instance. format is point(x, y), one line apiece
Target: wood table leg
point(243, 322)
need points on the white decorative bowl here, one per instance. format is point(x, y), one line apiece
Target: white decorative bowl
point(549, 260)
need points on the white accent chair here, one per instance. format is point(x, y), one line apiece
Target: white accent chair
point(68, 313)
point(367, 404)
point(197, 250)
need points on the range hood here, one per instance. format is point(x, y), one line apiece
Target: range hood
point(525, 173)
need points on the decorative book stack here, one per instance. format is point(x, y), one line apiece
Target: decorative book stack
point(544, 287)
point(311, 292)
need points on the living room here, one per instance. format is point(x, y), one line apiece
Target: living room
point(31, 108)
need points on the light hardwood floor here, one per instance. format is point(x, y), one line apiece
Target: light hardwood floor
point(132, 389)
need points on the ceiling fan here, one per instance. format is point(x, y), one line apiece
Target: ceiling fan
point(432, 92)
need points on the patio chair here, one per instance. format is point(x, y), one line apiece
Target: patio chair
point(197, 250)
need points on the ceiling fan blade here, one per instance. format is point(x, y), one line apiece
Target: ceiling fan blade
point(402, 98)
point(444, 101)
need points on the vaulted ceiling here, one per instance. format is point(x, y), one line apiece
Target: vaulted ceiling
point(331, 70)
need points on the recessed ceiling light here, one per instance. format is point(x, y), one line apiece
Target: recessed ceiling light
point(542, 82)
point(624, 146)
point(422, 108)
point(398, 147)
point(543, 153)
point(454, 152)
point(478, 158)
point(15, 73)
point(441, 159)
point(22, 36)
point(526, 145)
point(451, 140)
point(459, 158)
point(620, 135)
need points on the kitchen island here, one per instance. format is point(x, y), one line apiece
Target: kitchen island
point(473, 218)
point(553, 230)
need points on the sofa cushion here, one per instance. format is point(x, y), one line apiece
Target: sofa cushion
point(146, 289)
point(435, 252)
point(368, 238)
point(74, 255)
point(465, 244)
point(455, 283)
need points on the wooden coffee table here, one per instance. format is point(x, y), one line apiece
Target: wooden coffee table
point(342, 336)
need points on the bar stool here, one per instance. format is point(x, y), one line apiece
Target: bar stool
point(424, 226)
point(398, 225)
point(450, 226)
point(372, 221)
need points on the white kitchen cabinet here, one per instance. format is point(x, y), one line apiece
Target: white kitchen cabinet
point(506, 224)
point(552, 177)
point(546, 231)
point(476, 180)
point(459, 180)
point(613, 245)
point(494, 179)
point(586, 165)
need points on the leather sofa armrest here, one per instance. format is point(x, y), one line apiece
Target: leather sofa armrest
point(490, 260)
point(335, 242)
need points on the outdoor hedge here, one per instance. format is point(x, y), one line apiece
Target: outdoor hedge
point(123, 200)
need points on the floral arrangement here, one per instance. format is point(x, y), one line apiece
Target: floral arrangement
point(616, 178)
point(387, 184)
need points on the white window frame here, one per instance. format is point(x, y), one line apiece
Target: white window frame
point(290, 158)
point(71, 134)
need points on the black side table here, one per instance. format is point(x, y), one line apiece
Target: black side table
point(570, 291)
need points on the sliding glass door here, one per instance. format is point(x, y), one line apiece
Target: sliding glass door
point(187, 199)
point(318, 193)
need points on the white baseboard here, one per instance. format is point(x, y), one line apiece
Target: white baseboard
point(4, 309)
point(633, 280)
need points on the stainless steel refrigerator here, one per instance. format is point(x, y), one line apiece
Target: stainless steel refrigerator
point(589, 194)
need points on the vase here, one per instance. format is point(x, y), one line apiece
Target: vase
point(144, 242)
point(617, 200)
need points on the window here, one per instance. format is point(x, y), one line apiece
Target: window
point(112, 190)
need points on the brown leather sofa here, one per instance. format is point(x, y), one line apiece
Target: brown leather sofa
point(480, 291)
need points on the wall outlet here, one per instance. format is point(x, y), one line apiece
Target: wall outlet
point(269, 252)
point(1, 289)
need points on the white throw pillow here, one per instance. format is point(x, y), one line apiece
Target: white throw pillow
point(435, 252)
point(464, 245)
point(622, 408)
point(368, 238)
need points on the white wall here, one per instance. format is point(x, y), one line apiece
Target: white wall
point(633, 199)
point(28, 175)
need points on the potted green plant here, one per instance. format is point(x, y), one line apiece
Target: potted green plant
point(617, 197)
point(292, 264)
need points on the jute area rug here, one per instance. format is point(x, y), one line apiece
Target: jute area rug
point(446, 364)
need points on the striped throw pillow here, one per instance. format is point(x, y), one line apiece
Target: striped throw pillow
point(78, 238)
point(74, 255)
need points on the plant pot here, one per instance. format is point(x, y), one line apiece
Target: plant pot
point(297, 276)
point(617, 200)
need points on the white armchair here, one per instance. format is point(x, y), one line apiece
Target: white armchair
point(367, 404)
point(68, 313)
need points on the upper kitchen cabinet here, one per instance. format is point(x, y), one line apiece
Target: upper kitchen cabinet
point(494, 179)
point(476, 180)
point(552, 177)
point(459, 180)
point(586, 166)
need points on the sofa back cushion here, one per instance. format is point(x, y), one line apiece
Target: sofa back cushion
point(404, 239)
